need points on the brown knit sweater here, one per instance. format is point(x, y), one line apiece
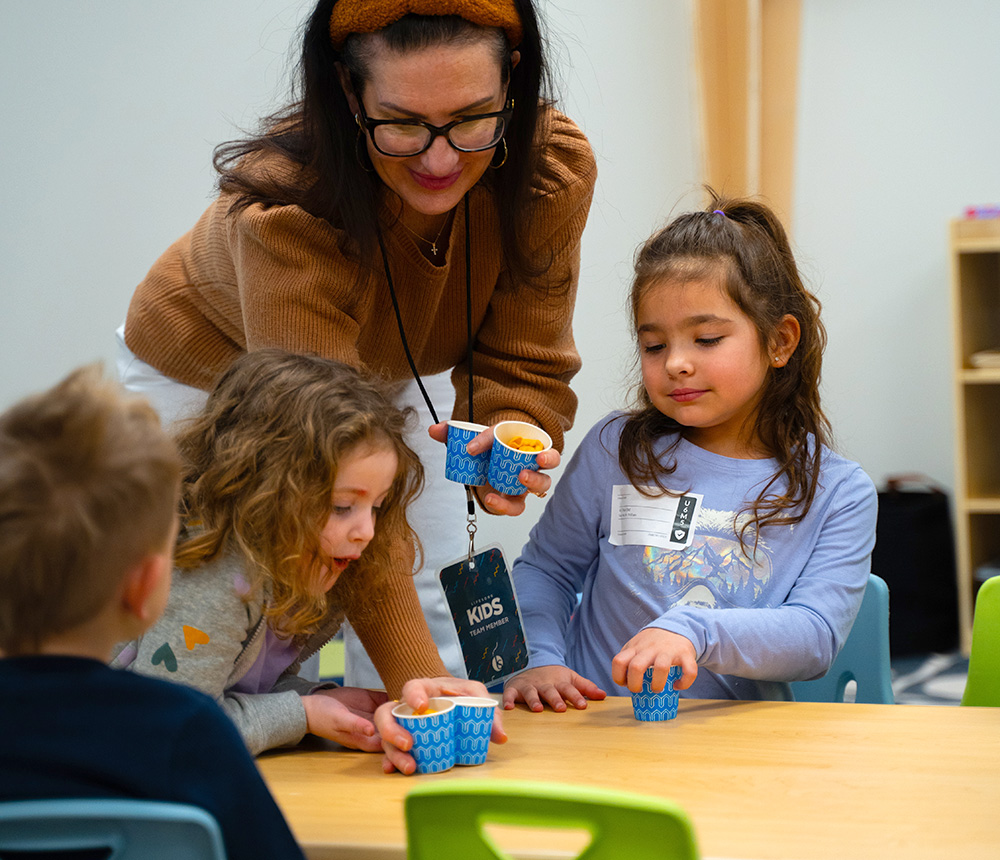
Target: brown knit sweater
point(277, 277)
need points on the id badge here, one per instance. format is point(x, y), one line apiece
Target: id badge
point(484, 609)
point(667, 522)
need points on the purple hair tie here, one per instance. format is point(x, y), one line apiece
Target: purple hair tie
point(718, 212)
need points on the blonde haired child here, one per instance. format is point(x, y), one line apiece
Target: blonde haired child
point(764, 588)
point(294, 494)
point(88, 497)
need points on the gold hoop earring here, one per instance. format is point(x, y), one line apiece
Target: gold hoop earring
point(503, 160)
point(360, 150)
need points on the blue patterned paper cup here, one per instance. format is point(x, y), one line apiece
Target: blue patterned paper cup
point(506, 463)
point(473, 723)
point(433, 734)
point(653, 707)
point(459, 465)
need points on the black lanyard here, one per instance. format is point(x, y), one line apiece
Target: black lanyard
point(468, 313)
point(471, 516)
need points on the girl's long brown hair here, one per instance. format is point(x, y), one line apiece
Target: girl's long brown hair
point(260, 462)
point(741, 243)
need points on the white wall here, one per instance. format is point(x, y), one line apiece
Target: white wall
point(109, 112)
point(899, 124)
point(108, 115)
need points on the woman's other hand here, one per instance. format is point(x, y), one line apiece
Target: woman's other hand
point(396, 741)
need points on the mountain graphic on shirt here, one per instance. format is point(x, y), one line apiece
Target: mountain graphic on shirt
point(714, 571)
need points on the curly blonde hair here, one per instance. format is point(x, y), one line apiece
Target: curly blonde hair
point(260, 463)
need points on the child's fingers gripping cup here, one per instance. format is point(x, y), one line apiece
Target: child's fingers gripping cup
point(650, 707)
point(459, 465)
point(473, 724)
point(433, 731)
point(516, 446)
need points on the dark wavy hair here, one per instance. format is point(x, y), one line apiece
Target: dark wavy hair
point(747, 250)
point(317, 133)
point(260, 464)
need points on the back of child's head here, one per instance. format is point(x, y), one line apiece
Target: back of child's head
point(88, 488)
point(261, 460)
point(741, 244)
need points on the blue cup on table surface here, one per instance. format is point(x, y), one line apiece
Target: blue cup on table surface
point(433, 734)
point(459, 465)
point(650, 707)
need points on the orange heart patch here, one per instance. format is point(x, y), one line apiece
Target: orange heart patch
point(193, 636)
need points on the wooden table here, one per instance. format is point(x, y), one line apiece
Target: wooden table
point(759, 779)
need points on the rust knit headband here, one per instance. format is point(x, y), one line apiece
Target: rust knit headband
point(369, 16)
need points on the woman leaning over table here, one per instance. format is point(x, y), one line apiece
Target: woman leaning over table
point(420, 150)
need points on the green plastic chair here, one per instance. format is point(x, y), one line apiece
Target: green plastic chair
point(445, 820)
point(110, 828)
point(982, 687)
point(864, 658)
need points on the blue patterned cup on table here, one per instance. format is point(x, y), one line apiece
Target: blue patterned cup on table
point(473, 724)
point(459, 464)
point(652, 707)
point(433, 734)
point(506, 461)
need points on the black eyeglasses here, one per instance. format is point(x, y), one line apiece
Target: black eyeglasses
point(405, 137)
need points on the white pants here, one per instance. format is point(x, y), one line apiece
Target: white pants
point(438, 516)
point(172, 399)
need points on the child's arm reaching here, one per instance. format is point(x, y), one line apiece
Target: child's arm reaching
point(557, 561)
point(345, 715)
point(798, 636)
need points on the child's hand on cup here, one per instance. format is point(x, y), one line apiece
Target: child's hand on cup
point(659, 649)
point(555, 686)
point(500, 503)
point(417, 693)
point(345, 715)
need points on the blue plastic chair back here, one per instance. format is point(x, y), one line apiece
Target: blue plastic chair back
point(982, 687)
point(864, 658)
point(446, 820)
point(124, 829)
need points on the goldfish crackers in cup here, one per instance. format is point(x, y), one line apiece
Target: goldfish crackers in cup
point(516, 446)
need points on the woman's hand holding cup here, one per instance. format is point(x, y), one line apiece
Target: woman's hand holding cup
point(535, 482)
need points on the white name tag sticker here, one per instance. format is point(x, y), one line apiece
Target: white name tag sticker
point(667, 522)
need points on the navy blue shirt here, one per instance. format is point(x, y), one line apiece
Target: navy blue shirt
point(73, 727)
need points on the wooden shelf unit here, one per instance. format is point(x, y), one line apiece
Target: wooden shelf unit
point(975, 289)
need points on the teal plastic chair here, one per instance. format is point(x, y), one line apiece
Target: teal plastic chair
point(445, 820)
point(864, 658)
point(982, 687)
point(110, 828)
